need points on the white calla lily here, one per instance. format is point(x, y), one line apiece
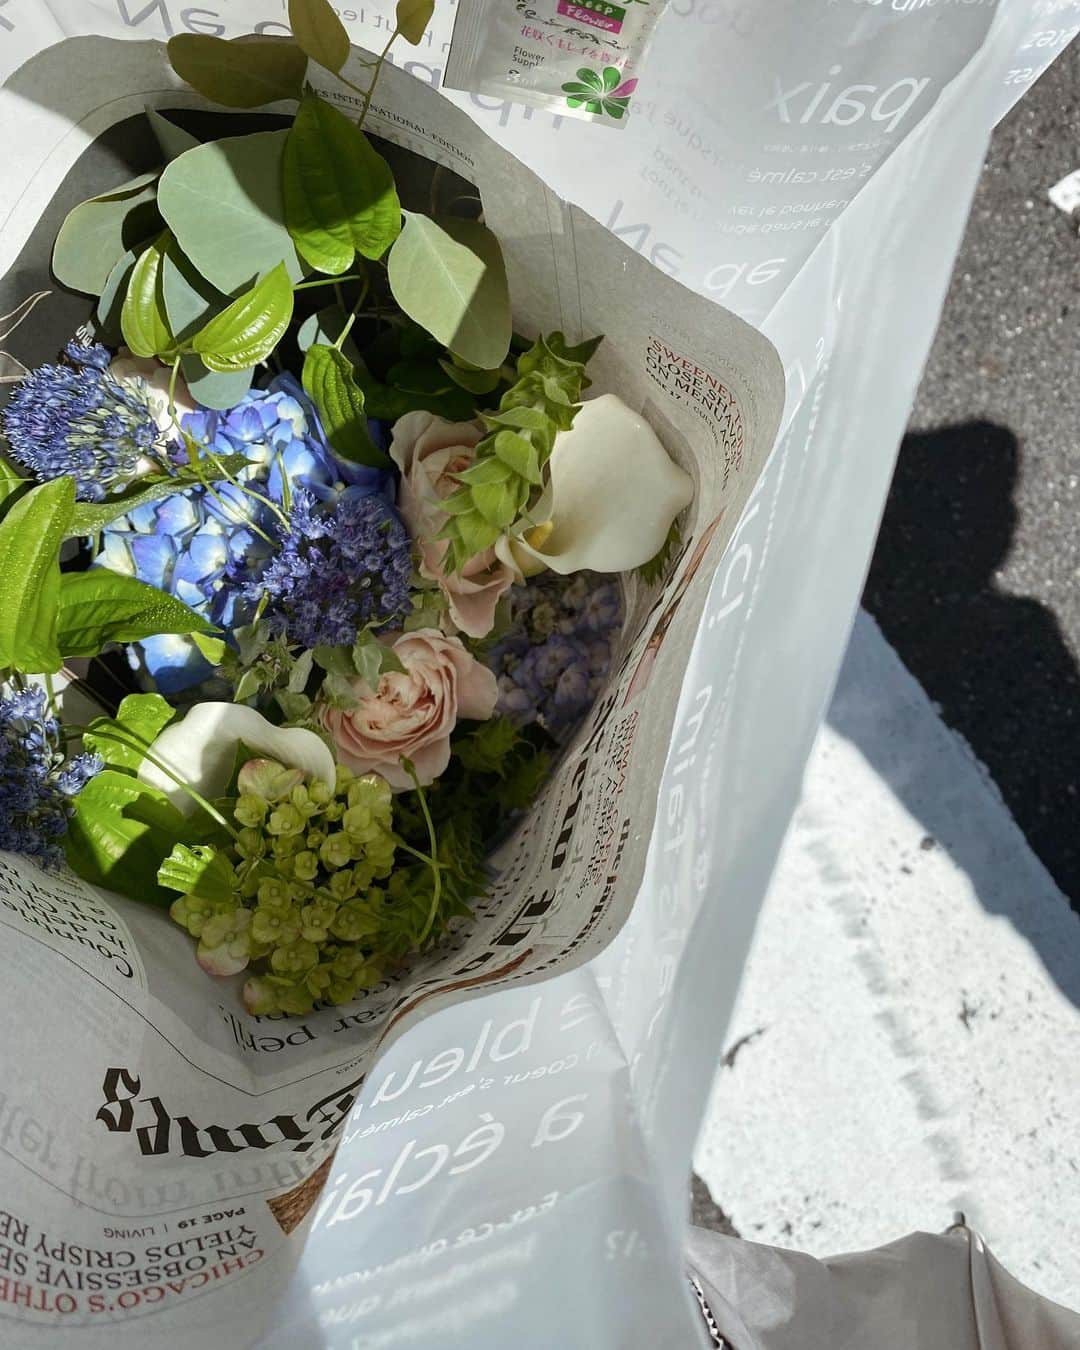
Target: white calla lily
point(201, 748)
point(613, 493)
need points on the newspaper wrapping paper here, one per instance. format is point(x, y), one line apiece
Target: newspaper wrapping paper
point(513, 1170)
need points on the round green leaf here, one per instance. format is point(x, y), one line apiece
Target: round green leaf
point(412, 18)
point(189, 298)
point(30, 537)
point(99, 606)
point(450, 279)
point(223, 203)
point(173, 140)
point(112, 299)
point(339, 192)
point(252, 326)
point(96, 232)
point(143, 320)
point(320, 32)
point(215, 389)
point(239, 72)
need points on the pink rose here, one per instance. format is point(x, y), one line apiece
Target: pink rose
point(429, 451)
point(412, 713)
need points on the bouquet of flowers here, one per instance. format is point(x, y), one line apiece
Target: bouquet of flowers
point(337, 555)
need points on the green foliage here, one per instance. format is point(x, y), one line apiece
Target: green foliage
point(96, 233)
point(652, 571)
point(412, 17)
point(90, 517)
point(30, 537)
point(238, 73)
point(189, 298)
point(320, 32)
point(173, 140)
point(330, 383)
point(12, 486)
point(120, 832)
point(99, 607)
point(201, 871)
point(250, 328)
point(223, 202)
point(339, 193)
point(110, 302)
point(509, 464)
point(143, 320)
point(486, 749)
point(450, 278)
point(215, 389)
point(138, 721)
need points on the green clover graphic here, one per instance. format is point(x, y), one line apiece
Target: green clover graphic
point(600, 91)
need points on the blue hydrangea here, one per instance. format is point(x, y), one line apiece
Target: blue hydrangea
point(35, 784)
point(555, 656)
point(81, 420)
point(204, 545)
point(339, 568)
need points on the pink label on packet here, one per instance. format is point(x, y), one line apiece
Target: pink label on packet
point(591, 16)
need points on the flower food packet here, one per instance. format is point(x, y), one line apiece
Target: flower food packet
point(579, 58)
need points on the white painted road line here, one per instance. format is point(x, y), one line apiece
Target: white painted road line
point(913, 995)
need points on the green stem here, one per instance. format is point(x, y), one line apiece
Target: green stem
point(436, 870)
point(352, 315)
point(50, 694)
point(376, 72)
point(327, 281)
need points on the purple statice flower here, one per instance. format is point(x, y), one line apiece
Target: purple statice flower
point(206, 545)
point(81, 420)
point(340, 568)
point(35, 784)
point(553, 659)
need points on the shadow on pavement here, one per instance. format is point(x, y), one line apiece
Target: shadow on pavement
point(996, 664)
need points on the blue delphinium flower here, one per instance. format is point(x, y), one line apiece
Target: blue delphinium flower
point(35, 784)
point(204, 544)
point(553, 659)
point(81, 420)
point(339, 568)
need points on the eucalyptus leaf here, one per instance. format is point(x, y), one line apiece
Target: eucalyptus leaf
point(30, 537)
point(339, 192)
point(96, 233)
point(238, 73)
point(223, 202)
point(250, 328)
point(412, 17)
point(320, 32)
point(219, 390)
point(450, 279)
point(190, 300)
point(143, 320)
point(330, 384)
point(111, 300)
point(173, 140)
point(119, 834)
point(99, 607)
point(138, 720)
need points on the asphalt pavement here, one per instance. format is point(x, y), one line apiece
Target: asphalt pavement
point(976, 576)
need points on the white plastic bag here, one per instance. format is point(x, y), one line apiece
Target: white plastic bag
point(513, 1171)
